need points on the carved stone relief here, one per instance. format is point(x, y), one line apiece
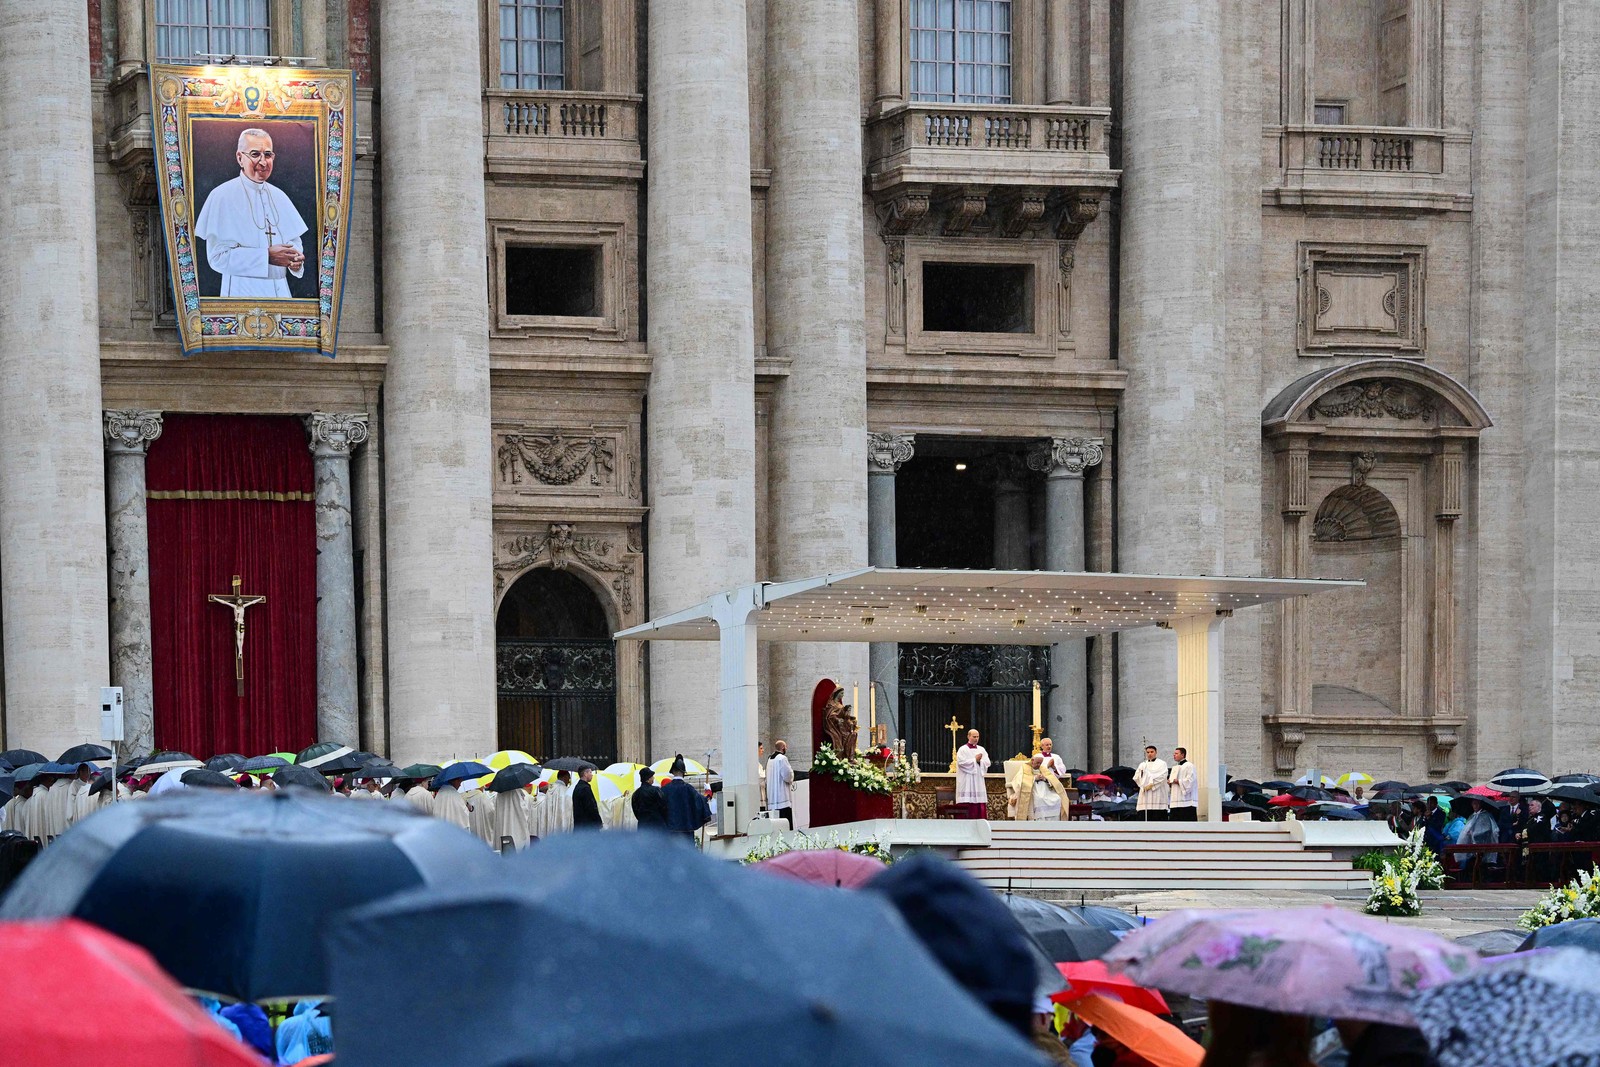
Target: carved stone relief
point(559, 458)
point(1375, 398)
point(1361, 298)
point(562, 544)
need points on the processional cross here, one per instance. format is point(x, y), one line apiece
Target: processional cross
point(955, 746)
point(239, 604)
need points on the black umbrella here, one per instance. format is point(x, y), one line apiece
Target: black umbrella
point(1459, 787)
point(568, 763)
point(294, 774)
point(21, 757)
point(205, 778)
point(84, 754)
point(1245, 784)
point(321, 752)
point(1118, 771)
point(1578, 793)
point(378, 769)
point(1112, 809)
point(1255, 800)
point(8, 788)
point(231, 891)
point(1333, 811)
point(1104, 916)
point(1577, 779)
point(341, 764)
point(162, 762)
point(642, 897)
point(102, 782)
point(227, 763)
point(420, 770)
point(514, 777)
point(1577, 933)
point(1278, 785)
point(1237, 807)
point(1052, 926)
point(263, 763)
point(1390, 787)
point(1310, 792)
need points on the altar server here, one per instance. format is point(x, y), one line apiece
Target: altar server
point(972, 763)
point(1151, 778)
point(1185, 783)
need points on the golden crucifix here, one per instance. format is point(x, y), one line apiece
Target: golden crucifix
point(238, 603)
point(955, 745)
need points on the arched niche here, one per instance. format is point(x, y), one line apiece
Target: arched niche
point(1371, 468)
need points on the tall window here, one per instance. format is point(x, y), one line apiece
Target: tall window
point(189, 29)
point(532, 45)
point(961, 51)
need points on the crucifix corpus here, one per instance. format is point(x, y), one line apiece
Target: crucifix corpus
point(238, 603)
point(955, 745)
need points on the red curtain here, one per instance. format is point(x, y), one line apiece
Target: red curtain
point(233, 494)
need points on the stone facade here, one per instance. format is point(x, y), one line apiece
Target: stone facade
point(1284, 288)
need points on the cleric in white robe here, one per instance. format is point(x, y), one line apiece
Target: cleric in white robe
point(972, 763)
point(1151, 778)
point(512, 811)
point(251, 228)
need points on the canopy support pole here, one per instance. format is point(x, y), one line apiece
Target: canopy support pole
point(734, 612)
point(1200, 703)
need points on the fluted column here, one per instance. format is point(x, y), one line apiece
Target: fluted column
point(128, 437)
point(1171, 445)
point(333, 438)
point(816, 324)
point(1063, 461)
point(886, 453)
point(702, 524)
point(52, 466)
point(438, 463)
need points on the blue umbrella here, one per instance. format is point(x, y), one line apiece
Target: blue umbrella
point(1577, 933)
point(231, 890)
point(84, 754)
point(263, 763)
point(28, 772)
point(762, 955)
point(8, 788)
point(459, 771)
point(22, 757)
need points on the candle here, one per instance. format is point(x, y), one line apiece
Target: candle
point(872, 707)
point(1038, 707)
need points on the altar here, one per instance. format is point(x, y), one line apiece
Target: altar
point(923, 797)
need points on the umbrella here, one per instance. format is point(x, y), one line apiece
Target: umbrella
point(1336, 811)
point(28, 772)
point(321, 752)
point(378, 769)
point(514, 777)
point(1520, 780)
point(1580, 793)
point(830, 867)
point(1279, 785)
point(1147, 1036)
point(1054, 927)
point(84, 754)
point(205, 778)
point(1455, 787)
point(263, 764)
point(1493, 942)
point(507, 757)
point(227, 763)
point(1119, 772)
point(92, 997)
point(1321, 780)
point(1533, 1009)
point(1114, 808)
point(1245, 784)
point(304, 777)
point(1574, 933)
point(21, 757)
point(568, 763)
point(102, 782)
point(664, 766)
point(170, 780)
point(641, 896)
point(1353, 779)
point(231, 891)
point(1104, 916)
point(1577, 779)
point(161, 762)
point(420, 770)
point(457, 772)
point(1093, 779)
point(1286, 800)
point(8, 788)
point(1391, 786)
point(1092, 978)
point(1308, 961)
point(341, 763)
point(1310, 792)
point(1483, 792)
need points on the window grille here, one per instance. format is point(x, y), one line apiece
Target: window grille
point(532, 45)
point(187, 30)
point(961, 51)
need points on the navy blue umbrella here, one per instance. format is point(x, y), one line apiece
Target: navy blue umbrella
point(305, 777)
point(1575, 933)
point(461, 771)
point(231, 890)
point(21, 757)
point(226, 763)
point(718, 957)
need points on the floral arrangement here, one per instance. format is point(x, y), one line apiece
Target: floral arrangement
point(1394, 893)
point(1578, 899)
point(857, 771)
point(1398, 876)
point(777, 844)
point(901, 771)
point(1415, 855)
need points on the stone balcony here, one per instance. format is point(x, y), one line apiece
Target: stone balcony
point(572, 136)
point(1383, 168)
point(1022, 168)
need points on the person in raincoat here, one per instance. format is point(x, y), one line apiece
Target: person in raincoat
point(308, 1032)
point(1481, 828)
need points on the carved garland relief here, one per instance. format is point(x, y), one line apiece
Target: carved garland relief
point(562, 544)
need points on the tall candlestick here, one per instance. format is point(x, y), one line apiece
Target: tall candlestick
point(872, 706)
point(1038, 705)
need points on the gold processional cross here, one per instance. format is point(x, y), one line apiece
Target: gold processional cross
point(955, 746)
point(238, 603)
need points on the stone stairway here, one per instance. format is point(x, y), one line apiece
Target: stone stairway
point(1048, 859)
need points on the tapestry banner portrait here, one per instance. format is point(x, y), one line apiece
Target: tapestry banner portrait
point(255, 172)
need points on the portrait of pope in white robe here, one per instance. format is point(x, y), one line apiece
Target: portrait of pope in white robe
point(251, 230)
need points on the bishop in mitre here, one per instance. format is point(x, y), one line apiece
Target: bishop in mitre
point(251, 228)
point(1037, 793)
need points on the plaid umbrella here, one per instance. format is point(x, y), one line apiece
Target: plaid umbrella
point(1534, 1009)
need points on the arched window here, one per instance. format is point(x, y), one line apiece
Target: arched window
point(961, 51)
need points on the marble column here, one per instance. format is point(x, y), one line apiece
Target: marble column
point(886, 453)
point(816, 326)
point(131, 53)
point(1172, 431)
point(52, 461)
point(1063, 461)
point(1013, 518)
point(889, 33)
point(438, 473)
point(128, 437)
point(1058, 54)
point(333, 437)
point(701, 443)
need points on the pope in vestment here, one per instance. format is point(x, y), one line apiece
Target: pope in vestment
point(251, 228)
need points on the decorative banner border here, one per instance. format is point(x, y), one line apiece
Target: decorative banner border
point(326, 98)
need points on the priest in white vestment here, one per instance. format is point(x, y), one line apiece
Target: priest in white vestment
point(251, 228)
point(451, 806)
point(1052, 759)
point(58, 810)
point(972, 763)
point(480, 814)
point(1037, 793)
point(1185, 788)
point(1151, 778)
point(419, 797)
point(511, 810)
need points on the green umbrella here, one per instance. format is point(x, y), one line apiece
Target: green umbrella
point(420, 770)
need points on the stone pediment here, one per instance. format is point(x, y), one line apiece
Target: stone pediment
point(1393, 395)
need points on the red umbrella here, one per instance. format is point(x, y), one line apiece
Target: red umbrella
point(91, 998)
point(1485, 792)
point(1093, 779)
point(1091, 976)
point(1284, 800)
point(824, 866)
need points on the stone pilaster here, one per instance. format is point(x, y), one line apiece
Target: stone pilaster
point(816, 324)
point(333, 438)
point(1013, 519)
point(52, 466)
point(1172, 428)
point(437, 439)
point(128, 437)
point(886, 453)
point(1063, 461)
point(702, 347)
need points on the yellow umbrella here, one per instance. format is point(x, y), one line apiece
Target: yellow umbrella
point(611, 786)
point(500, 761)
point(664, 766)
point(1353, 779)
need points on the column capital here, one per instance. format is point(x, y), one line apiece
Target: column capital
point(1068, 456)
point(130, 432)
point(887, 452)
point(336, 433)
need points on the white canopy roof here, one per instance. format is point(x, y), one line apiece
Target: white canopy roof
point(978, 607)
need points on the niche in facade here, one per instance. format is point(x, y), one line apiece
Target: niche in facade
point(978, 297)
point(552, 281)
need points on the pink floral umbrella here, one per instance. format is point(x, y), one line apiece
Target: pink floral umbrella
point(1309, 961)
point(824, 866)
